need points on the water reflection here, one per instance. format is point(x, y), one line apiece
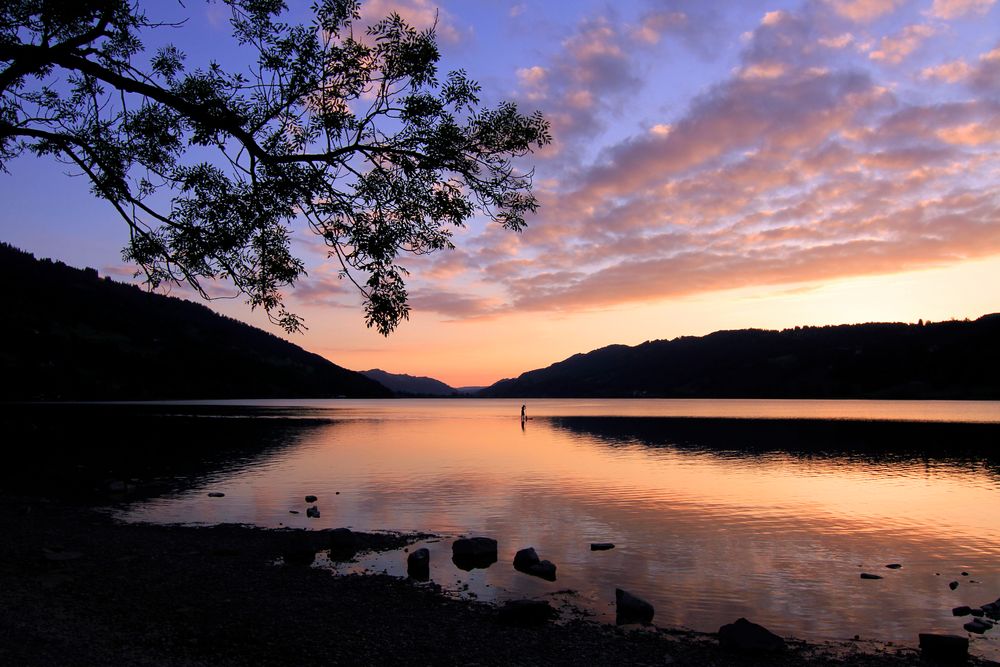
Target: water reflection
point(712, 518)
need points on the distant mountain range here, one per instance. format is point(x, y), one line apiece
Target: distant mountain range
point(942, 360)
point(410, 385)
point(69, 334)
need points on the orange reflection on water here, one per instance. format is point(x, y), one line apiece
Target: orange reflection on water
point(712, 518)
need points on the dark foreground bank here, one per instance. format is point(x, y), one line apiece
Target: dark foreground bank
point(79, 588)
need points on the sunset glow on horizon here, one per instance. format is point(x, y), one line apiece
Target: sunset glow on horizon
point(716, 165)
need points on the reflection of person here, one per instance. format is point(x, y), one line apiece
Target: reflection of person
point(523, 415)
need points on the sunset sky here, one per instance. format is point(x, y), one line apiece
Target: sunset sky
point(716, 165)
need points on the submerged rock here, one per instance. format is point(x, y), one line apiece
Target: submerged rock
point(747, 637)
point(866, 575)
point(601, 546)
point(526, 612)
point(418, 564)
point(470, 553)
point(946, 648)
point(631, 609)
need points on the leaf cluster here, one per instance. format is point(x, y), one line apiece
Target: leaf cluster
point(356, 133)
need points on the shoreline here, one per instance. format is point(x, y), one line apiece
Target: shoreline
point(81, 587)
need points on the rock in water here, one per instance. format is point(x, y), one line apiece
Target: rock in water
point(601, 546)
point(216, 494)
point(747, 637)
point(865, 575)
point(631, 609)
point(418, 564)
point(946, 648)
point(543, 570)
point(312, 512)
point(343, 544)
point(526, 612)
point(525, 558)
point(978, 625)
point(964, 610)
point(953, 585)
point(894, 566)
point(311, 499)
point(469, 553)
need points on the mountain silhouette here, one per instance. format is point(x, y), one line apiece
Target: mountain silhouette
point(943, 360)
point(69, 334)
point(410, 385)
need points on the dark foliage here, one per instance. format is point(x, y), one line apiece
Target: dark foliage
point(69, 334)
point(210, 167)
point(945, 360)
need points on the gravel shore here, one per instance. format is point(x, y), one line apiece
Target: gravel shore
point(79, 588)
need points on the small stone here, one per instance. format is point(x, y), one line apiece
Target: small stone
point(312, 512)
point(866, 575)
point(964, 610)
point(216, 494)
point(947, 648)
point(293, 511)
point(965, 574)
point(601, 546)
point(311, 499)
point(894, 566)
point(747, 637)
point(953, 585)
point(631, 609)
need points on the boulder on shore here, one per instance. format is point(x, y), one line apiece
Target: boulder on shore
point(945, 648)
point(747, 637)
point(418, 564)
point(631, 609)
point(343, 544)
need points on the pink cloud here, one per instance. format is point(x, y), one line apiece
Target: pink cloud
point(898, 47)
point(951, 9)
point(863, 11)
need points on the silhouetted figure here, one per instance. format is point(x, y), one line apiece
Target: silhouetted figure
point(524, 416)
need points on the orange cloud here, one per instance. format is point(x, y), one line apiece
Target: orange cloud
point(951, 9)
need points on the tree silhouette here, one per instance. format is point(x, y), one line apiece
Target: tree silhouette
point(209, 168)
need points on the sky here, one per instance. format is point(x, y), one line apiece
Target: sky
point(715, 165)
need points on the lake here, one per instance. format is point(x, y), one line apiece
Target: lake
point(717, 508)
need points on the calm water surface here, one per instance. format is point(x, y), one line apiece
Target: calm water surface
point(718, 509)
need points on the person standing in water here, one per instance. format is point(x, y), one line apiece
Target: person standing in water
point(524, 417)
